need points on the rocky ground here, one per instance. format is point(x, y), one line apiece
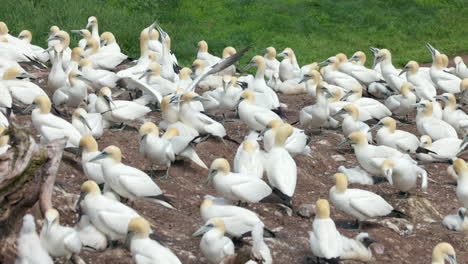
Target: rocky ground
point(403, 241)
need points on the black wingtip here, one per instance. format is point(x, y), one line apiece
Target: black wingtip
point(425, 150)
point(164, 198)
point(278, 197)
point(398, 214)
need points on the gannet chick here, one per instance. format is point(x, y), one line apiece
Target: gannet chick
point(127, 181)
point(356, 175)
point(375, 108)
point(460, 67)
point(260, 251)
point(50, 126)
point(445, 81)
point(280, 167)
point(357, 248)
point(403, 174)
point(455, 117)
point(88, 124)
point(214, 245)
point(143, 248)
point(89, 150)
point(458, 221)
point(366, 154)
point(429, 125)
point(249, 159)
point(118, 111)
point(295, 144)
point(444, 251)
point(325, 240)
point(21, 91)
point(155, 149)
point(108, 215)
point(402, 104)
point(272, 64)
point(255, 117)
point(239, 187)
point(424, 88)
point(30, 250)
point(4, 146)
point(60, 241)
point(439, 150)
point(239, 221)
point(351, 122)
point(358, 203)
point(461, 169)
point(89, 235)
point(389, 136)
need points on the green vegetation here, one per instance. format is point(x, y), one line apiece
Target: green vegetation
point(315, 29)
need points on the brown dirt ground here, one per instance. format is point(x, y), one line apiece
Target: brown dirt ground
point(187, 187)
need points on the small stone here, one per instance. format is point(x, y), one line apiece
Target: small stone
point(306, 210)
point(338, 158)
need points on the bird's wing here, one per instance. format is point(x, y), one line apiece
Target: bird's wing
point(439, 129)
point(221, 65)
point(251, 190)
point(369, 203)
point(72, 242)
point(117, 222)
point(139, 186)
point(137, 84)
point(128, 110)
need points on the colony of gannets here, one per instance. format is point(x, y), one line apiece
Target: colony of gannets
point(83, 101)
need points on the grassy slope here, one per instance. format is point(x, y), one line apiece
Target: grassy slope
point(315, 29)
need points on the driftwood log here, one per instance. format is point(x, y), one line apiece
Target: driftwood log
point(27, 176)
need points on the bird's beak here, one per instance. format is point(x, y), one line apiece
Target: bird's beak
point(29, 108)
point(439, 97)
point(211, 175)
point(128, 238)
point(86, 47)
point(405, 69)
point(55, 37)
point(80, 212)
point(146, 73)
point(100, 156)
point(327, 92)
point(417, 105)
point(175, 98)
point(305, 78)
point(264, 131)
point(368, 241)
point(388, 175)
point(431, 49)
point(49, 224)
point(76, 31)
point(452, 259)
point(376, 126)
point(202, 230)
point(81, 77)
point(342, 111)
point(248, 66)
point(143, 137)
point(109, 101)
point(348, 94)
point(353, 58)
point(102, 42)
point(282, 55)
point(84, 121)
point(323, 63)
point(24, 75)
point(346, 141)
point(89, 24)
point(201, 98)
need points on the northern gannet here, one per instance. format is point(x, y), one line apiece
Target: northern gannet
point(455, 117)
point(157, 150)
point(108, 215)
point(255, 117)
point(311, 79)
point(143, 248)
point(424, 88)
point(108, 43)
point(260, 251)
point(239, 187)
point(295, 144)
point(357, 248)
point(90, 236)
point(288, 68)
point(59, 240)
point(401, 104)
point(318, 114)
point(62, 44)
point(231, 96)
point(265, 96)
point(389, 136)
point(152, 77)
point(460, 67)
point(440, 150)
point(249, 159)
point(118, 111)
point(85, 34)
point(403, 174)
point(461, 169)
point(389, 73)
point(127, 181)
point(30, 250)
point(356, 175)
point(93, 24)
point(445, 81)
point(88, 124)
point(39, 52)
point(51, 127)
point(89, 150)
point(325, 240)
point(375, 108)
point(351, 122)
point(4, 146)
point(204, 55)
point(429, 125)
point(74, 92)
point(272, 64)
point(444, 252)
point(357, 71)
point(98, 78)
point(333, 76)
point(280, 167)
point(102, 59)
point(214, 245)
point(183, 145)
point(360, 204)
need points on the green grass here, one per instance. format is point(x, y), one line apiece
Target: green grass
point(315, 29)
